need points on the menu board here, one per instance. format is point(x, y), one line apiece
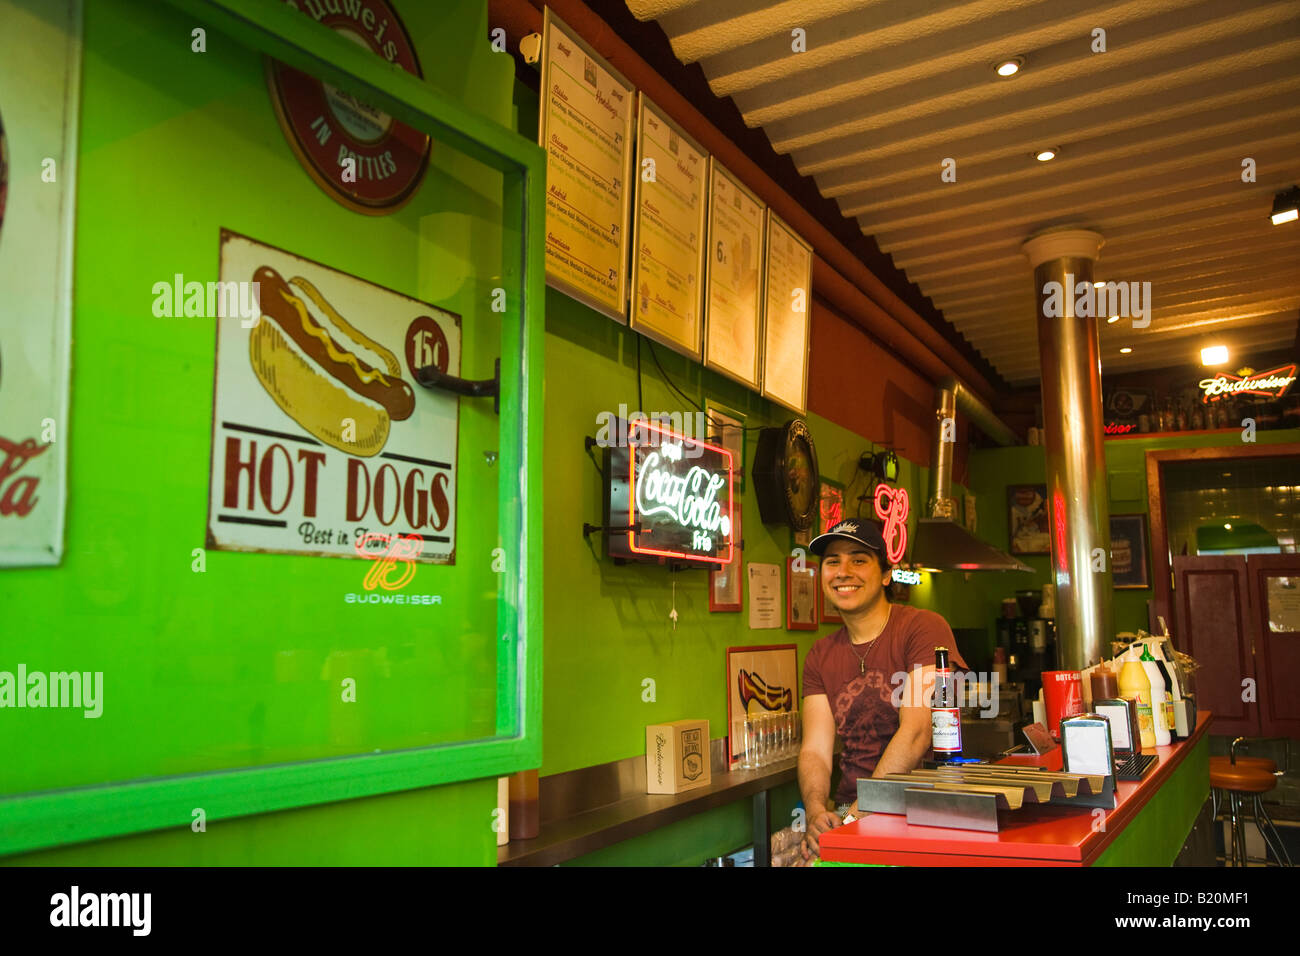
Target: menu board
point(668, 233)
point(735, 247)
point(586, 129)
point(787, 283)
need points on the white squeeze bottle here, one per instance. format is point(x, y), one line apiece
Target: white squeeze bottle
point(1161, 709)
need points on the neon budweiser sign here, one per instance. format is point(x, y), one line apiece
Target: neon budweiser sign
point(1272, 384)
point(677, 490)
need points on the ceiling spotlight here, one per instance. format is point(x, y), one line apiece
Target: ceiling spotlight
point(1112, 320)
point(1046, 155)
point(1227, 527)
point(1098, 285)
point(1286, 206)
point(1009, 67)
point(1214, 355)
point(1125, 351)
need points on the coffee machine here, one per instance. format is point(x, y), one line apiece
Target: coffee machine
point(1027, 633)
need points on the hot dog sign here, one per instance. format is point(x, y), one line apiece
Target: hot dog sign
point(321, 440)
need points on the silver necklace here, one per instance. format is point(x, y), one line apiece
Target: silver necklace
point(862, 661)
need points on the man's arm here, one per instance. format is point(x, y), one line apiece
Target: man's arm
point(817, 753)
point(815, 757)
point(909, 744)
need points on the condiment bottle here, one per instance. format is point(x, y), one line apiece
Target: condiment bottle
point(1104, 684)
point(1162, 707)
point(1133, 683)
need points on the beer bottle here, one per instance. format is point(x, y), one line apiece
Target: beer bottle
point(945, 715)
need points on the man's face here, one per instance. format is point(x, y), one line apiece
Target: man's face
point(851, 577)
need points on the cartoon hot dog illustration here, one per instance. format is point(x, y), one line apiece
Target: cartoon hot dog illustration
point(320, 383)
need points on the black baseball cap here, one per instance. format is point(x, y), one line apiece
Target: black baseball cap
point(865, 533)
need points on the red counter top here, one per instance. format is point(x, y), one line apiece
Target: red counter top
point(1030, 836)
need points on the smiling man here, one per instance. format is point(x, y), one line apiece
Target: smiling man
point(851, 681)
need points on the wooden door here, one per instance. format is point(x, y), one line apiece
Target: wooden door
point(1212, 611)
point(1275, 631)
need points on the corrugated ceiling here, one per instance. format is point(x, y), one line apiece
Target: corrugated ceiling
point(1152, 134)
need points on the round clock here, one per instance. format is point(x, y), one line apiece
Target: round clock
point(786, 477)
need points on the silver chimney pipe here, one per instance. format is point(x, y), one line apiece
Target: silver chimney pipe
point(940, 543)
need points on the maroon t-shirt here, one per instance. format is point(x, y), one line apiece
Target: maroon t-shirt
point(865, 705)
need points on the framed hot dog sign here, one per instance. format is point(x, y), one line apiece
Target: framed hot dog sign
point(321, 441)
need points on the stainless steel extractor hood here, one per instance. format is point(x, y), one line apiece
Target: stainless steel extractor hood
point(940, 543)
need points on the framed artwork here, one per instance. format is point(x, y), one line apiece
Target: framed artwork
point(832, 506)
point(761, 679)
point(726, 428)
point(1027, 519)
point(727, 583)
point(801, 605)
point(1128, 552)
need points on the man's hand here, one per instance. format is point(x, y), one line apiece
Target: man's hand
point(826, 820)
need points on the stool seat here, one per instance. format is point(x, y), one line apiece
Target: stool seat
point(1262, 762)
point(1241, 777)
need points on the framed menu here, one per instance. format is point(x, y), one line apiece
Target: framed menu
point(734, 254)
point(787, 283)
point(585, 126)
point(668, 233)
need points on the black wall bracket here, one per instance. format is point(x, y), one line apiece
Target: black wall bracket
point(589, 529)
point(430, 376)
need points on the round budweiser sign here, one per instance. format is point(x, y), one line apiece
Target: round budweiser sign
point(358, 154)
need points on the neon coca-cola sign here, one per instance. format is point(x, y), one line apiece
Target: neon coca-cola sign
point(677, 490)
point(1272, 384)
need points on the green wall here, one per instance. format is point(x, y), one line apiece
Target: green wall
point(993, 469)
point(239, 665)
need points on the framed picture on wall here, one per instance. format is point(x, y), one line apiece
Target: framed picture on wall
point(762, 679)
point(1128, 552)
point(727, 583)
point(801, 591)
point(1027, 519)
point(726, 428)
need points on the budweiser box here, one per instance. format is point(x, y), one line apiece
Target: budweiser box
point(677, 756)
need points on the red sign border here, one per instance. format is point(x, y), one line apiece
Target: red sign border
point(631, 496)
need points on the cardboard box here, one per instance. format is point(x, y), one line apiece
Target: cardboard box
point(677, 756)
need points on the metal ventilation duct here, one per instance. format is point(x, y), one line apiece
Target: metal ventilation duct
point(940, 543)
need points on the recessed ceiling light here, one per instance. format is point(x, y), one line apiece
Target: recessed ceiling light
point(1046, 155)
point(1286, 206)
point(1112, 320)
point(1010, 66)
point(1125, 351)
point(1227, 527)
point(1214, 355)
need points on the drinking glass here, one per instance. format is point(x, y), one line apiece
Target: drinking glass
point(751, 743)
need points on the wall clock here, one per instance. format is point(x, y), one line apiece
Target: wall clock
point(786, 477)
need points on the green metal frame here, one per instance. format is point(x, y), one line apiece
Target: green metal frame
point(36, 820)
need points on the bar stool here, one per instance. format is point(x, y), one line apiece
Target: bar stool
point(1239, 777)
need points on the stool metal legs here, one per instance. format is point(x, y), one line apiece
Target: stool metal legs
point(1274, 842)
point(1236, 853)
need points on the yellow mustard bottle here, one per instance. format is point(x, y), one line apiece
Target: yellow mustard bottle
point(1133, 684)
